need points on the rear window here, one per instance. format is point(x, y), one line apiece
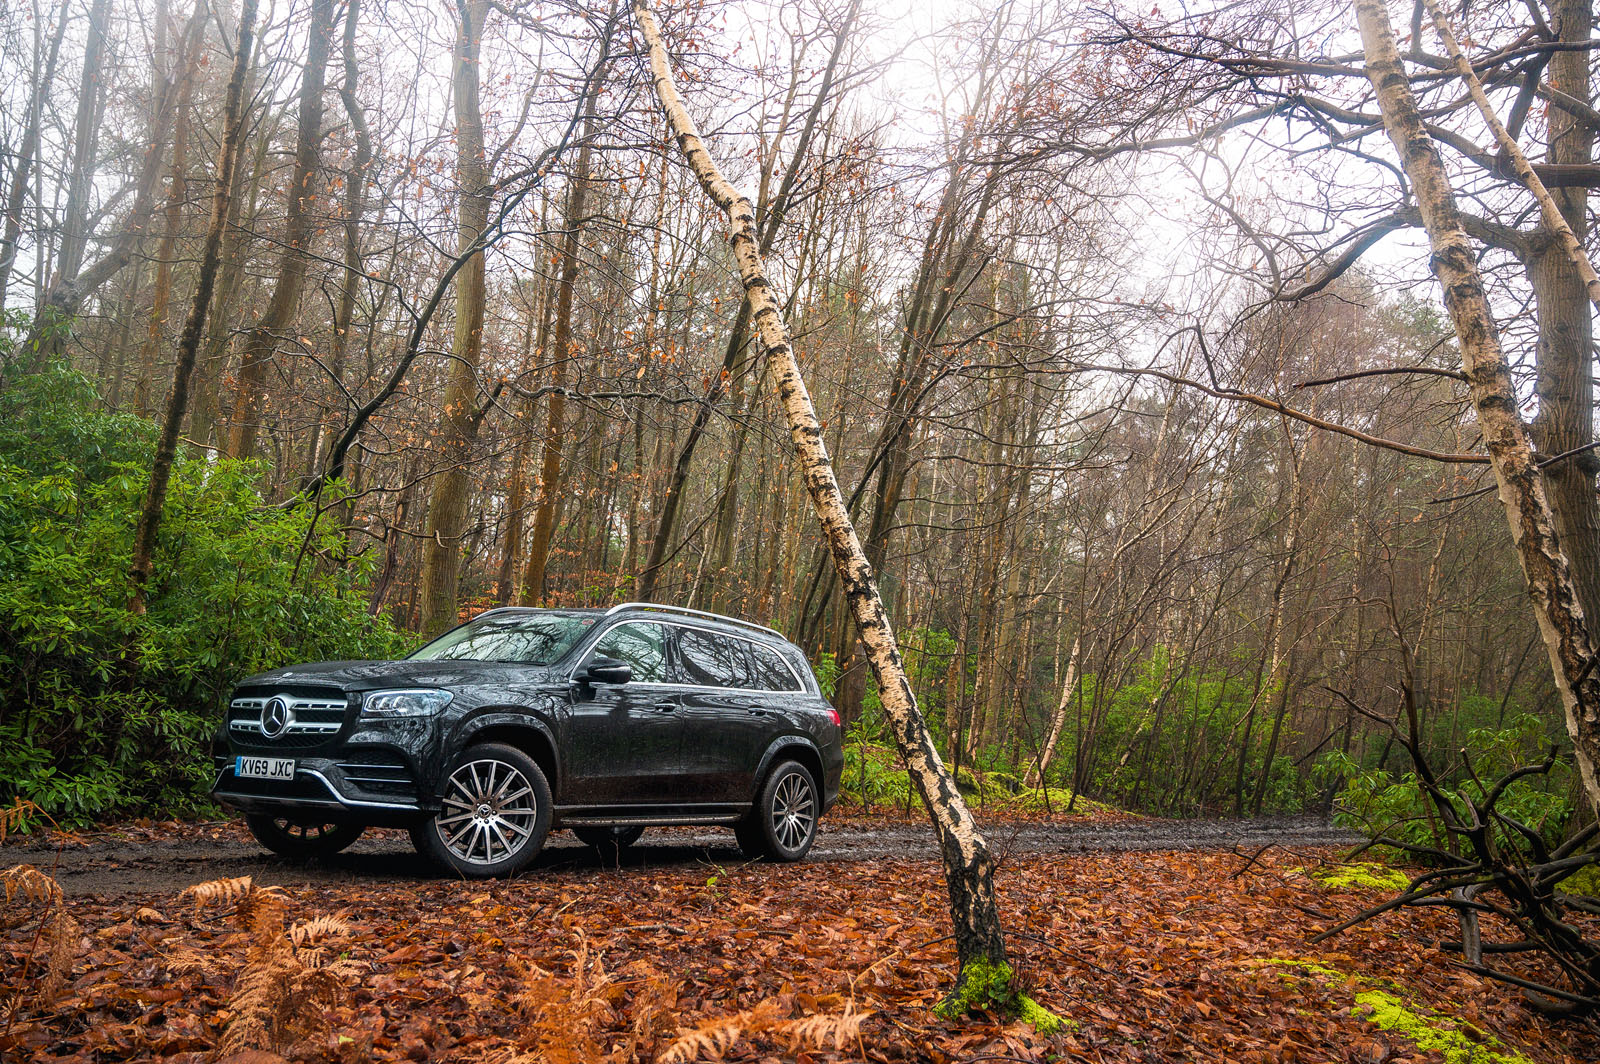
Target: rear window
point(771, 672)
point(712, 660)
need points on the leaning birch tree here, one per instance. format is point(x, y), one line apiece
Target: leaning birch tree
point(1562, 628)
point(984, 978)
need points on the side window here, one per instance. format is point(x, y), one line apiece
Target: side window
point(771, 673)
point(712, 660)
point(642, 646)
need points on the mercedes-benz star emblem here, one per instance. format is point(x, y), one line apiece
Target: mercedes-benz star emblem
point(275, 717)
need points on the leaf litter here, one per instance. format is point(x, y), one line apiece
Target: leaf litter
point(1151, 956)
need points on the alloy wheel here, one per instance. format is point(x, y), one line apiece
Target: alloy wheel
point(794, 810)
point(489, 812)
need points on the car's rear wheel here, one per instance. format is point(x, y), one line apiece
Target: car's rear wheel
point(301, 840)
point(494, 813)
point(783, 824)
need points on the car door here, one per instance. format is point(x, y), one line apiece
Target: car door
point(624, 741)
point(726, 721)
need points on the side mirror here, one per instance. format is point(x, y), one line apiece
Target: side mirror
point(608, 670)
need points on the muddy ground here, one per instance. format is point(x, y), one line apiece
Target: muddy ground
point(161, 858)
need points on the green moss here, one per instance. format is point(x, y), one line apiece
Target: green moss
point(1432, 1033)
point(1305, 966)
point(1585, 881)
point(1362, 875)
point(981, 985)
point(986, 985)
point(1040, 1018)
point(1457, 1041)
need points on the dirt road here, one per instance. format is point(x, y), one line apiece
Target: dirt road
point(167, 858)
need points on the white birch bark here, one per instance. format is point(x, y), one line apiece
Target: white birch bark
point(1566, 637)
point(1548, 211)
point(969, 867)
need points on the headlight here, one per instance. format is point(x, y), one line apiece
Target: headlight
point(413, 702)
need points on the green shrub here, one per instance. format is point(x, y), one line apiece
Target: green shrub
point(1381, 802)
point(103, 713)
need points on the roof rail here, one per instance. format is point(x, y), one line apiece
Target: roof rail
point(686, 611)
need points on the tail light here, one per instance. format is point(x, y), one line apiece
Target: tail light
point(838, 722)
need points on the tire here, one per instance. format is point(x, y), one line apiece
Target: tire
point(493, 817)
point(783, 824)
point(609, 841)
point(301, 840)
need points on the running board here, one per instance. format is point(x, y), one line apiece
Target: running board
point(646, 821)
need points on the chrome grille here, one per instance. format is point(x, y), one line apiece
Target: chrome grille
point(308, 717)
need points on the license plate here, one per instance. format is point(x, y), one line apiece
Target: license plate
point(264, 768)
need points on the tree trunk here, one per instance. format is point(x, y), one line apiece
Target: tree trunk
point(44, 73)
point(189, 343)
point(548, 498)
point(740, 334)
point(355, 204)
point(447, 504)
point(261, 342)
point(1565, 383)
point(1533, 529)
point(969, 868)
point(203, 421)
point(177, 182)
point(86, 139)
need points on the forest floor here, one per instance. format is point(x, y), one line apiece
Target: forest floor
point(1154, 940)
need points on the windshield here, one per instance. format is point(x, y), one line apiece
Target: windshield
point(522, 638)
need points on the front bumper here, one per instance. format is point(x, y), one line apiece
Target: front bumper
point(347, 791)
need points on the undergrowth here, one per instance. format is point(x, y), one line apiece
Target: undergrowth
point(106, 714)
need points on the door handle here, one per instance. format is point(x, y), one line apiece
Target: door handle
point(756, 711)
point(664, 707)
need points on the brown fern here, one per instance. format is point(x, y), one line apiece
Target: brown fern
point(652, 1017)
point(30, 893)
point(62, 936)
point(276, 1000)
point(31, 885)
point(281, 997)
point(767, 1019)
point(563, 1014)
point(823, 1030)
point(318, 929)
point(215, 891)
point(15, 817)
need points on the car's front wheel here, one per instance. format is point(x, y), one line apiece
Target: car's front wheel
point(494, 813)
point(301, 840)
point(783, 825)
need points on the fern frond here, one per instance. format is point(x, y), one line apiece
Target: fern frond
point(262, 911)
point(712, 1038)
point(14, 817)
point(187, 961)
point(310, 932)
point(258, 999)
point(215, 891)
point(823, 1030)
point(62, 937)
point(30, 884)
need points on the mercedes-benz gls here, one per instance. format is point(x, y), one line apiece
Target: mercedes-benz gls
point(522, 721)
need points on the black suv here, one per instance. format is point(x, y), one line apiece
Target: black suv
point(524, 720)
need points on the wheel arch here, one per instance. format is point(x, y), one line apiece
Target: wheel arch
point(518, 730)
point(789, 748)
